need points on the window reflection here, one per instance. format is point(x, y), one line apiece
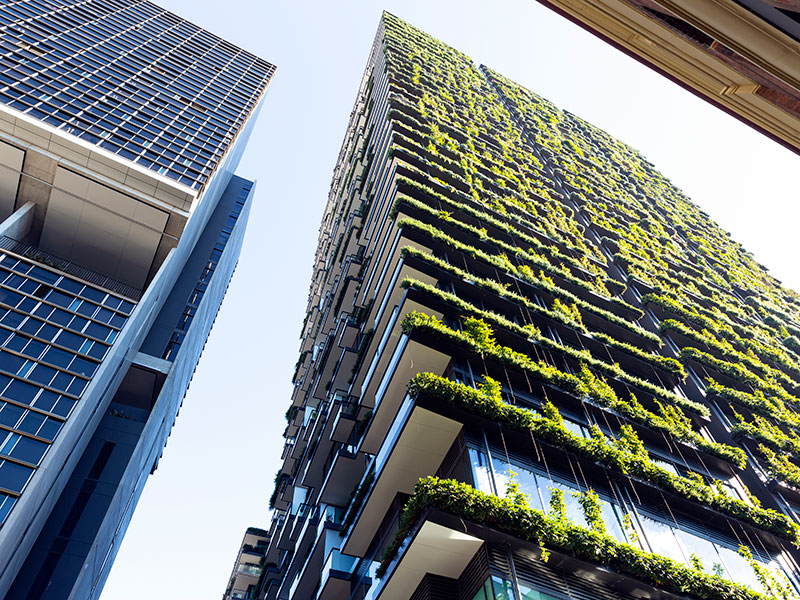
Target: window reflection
point(663, 536)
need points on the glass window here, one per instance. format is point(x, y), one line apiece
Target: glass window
point(93, 294)
point(83, 367)
point(31, 422)
point(87, 309)
point(738, 569)
point(112, 302)
point(661, 539)
point(62, 381)
point(78, 323)
point(43, 311)
point(9, 298)
point(702, 549)
point(13, 477)
point(21, 391)
point(503, 589)
point(61, 317)
point(34, 349)
point(528, 593)
point(526, 479)
point(485, 593)
point(6, 504)
point(10, 414)
point(77, 386)
point(12, 319)
point(63, 406)
point(98, 331)
point(59, 298)
point(10, 363)
point(49, 429)
point(58, 357)
point(16, 342)
point(44, 275)
point(70, 285)
point(480, 471)
point(69, 340)
point(574, 510)
point(104, 315)
point(98, 350)
point(28, 450)
point(46, 400)
point(47, 332)
point(31, 326)
point(7, 441)
point(42, 374)
point(27, 305)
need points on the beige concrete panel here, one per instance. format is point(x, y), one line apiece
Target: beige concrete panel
point(71, 153)
point(95, 247)
point(33, 190)
point(74, 183)
point(61, 226)
point(31, 137)
point(102, 229)
point(168, 194)
point(40, 166)
point(117, 164)
point(106, 168)
point(111, 200)
point(11, 159)
point(137, 255)
point(149, 216)
point(175, 225)
point(137, 182)
point(11, 156)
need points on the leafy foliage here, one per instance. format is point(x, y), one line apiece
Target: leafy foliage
point(624, 455)
point(554, 531)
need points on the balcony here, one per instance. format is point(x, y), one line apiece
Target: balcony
point(346, 469)
point(415, 447)
point(393, 305)
point(407, 358)
point(344, 422)
point(284, 541)
point(307, 576)
point(431, 548)
point(334, 582)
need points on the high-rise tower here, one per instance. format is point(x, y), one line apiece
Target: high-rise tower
point(531, 368)
point(121, 126)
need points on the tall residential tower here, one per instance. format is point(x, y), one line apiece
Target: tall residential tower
point(121, 222)
point(531, 368)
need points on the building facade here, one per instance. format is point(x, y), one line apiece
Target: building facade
point(121, 126)
point(246, 574)
point(530, 368)
point(742, 57)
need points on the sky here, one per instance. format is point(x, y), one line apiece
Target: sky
point(216, 474)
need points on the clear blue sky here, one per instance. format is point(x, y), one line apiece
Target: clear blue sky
point(216, 474)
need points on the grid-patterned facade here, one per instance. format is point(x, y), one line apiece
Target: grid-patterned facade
point(531, 368)
point(121, 222)
point(196, 295)
point(131, 78)
point(54, 332)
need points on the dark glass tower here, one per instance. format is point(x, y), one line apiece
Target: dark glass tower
point(121, 222)
point(531, 368)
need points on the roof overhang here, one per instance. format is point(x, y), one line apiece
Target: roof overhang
point(720, 50)
point(93, 208)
